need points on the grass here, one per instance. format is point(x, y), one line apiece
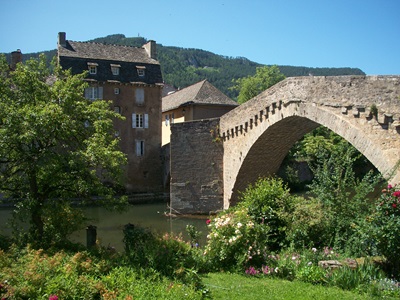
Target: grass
point(235, 286)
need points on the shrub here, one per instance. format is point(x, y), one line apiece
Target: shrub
point(268, 202)
point(235, 241)
point(308, 224)
point(168, 255)
point(386, 227)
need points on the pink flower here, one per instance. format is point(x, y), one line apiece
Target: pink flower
point(396, 194)
point(389, 187)
point(208, 221)
point(53, 297)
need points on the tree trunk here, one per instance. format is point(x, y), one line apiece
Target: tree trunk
point(36, 208)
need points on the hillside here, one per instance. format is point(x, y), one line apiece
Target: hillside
point(182, 67)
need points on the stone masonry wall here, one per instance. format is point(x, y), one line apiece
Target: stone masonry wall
point(196, 185)
point(258, 134)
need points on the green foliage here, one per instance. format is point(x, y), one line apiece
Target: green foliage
point(193, 234)
point(308, 224)
point(168, 255)
point(35, 274)
point(235, 241)
point(47, 154)
point(385, 223)
point(343, 196)
point(268, 202)
point(251, 86)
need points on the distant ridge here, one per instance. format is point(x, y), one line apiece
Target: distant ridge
point(182, 67)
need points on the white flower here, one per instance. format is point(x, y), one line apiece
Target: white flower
point(309, 263)
point(239, 225)
point(314, 250)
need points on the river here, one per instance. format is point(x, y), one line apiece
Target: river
point(110, 224)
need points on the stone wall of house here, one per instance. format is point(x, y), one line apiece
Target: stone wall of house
point(196, 185)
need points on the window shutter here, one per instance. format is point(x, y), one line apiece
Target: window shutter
point(100, 93)
point(137, 148)
point(133, 120)
point(146, 121)
point(166, 120)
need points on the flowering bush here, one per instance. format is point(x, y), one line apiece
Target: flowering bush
point(386, 223)
point(235, 241)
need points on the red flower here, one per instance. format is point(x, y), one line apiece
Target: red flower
point(208, 221)
point(394, 205)
point(396, 194)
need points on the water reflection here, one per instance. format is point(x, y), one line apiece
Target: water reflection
point(110, 224)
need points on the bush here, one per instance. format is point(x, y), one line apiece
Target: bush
point(35, 274)
point(386, 227)
point(308, 224)
point(269, 202)
point(235, 241)
point(168, 255)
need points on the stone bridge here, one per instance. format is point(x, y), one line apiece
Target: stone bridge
point(212, 160)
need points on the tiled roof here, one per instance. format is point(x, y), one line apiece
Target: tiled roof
point(106, 52)
point(200, 93)
point(77, 56)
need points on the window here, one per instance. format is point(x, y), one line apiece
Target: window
point(92, 68)
point(94, 93)
point(115, 69)
point(139, 96)
point(117, 109)
point(141, 70)
point(140, 120)
point(172, 118)
point(116, 91)
point(139, 148)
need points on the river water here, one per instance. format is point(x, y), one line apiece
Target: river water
point(110, 224)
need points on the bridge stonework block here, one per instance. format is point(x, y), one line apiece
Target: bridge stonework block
point(196, 185)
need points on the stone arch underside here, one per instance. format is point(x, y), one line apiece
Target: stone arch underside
point(267, 153)
point(258, 135)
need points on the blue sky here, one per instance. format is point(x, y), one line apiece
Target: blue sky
point(312, 33)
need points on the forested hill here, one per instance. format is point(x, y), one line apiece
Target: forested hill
point(182, 67)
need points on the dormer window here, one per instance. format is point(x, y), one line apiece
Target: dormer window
point(141, 70)
point(92, 68)
point(115, 69)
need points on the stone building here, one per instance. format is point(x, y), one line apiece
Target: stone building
point(199, 101)
point(131, 78)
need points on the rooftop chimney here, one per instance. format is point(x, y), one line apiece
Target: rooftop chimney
point(62, 39)
point(16, 57)
point(150, 48)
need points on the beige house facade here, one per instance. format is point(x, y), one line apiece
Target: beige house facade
point(131, 78)
point(199, 101)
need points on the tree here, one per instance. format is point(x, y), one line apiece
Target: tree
point(251, 86)
point(55, 146)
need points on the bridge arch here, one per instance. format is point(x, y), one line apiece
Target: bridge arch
point(258, 134)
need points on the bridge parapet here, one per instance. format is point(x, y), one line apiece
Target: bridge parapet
point(355, 96)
